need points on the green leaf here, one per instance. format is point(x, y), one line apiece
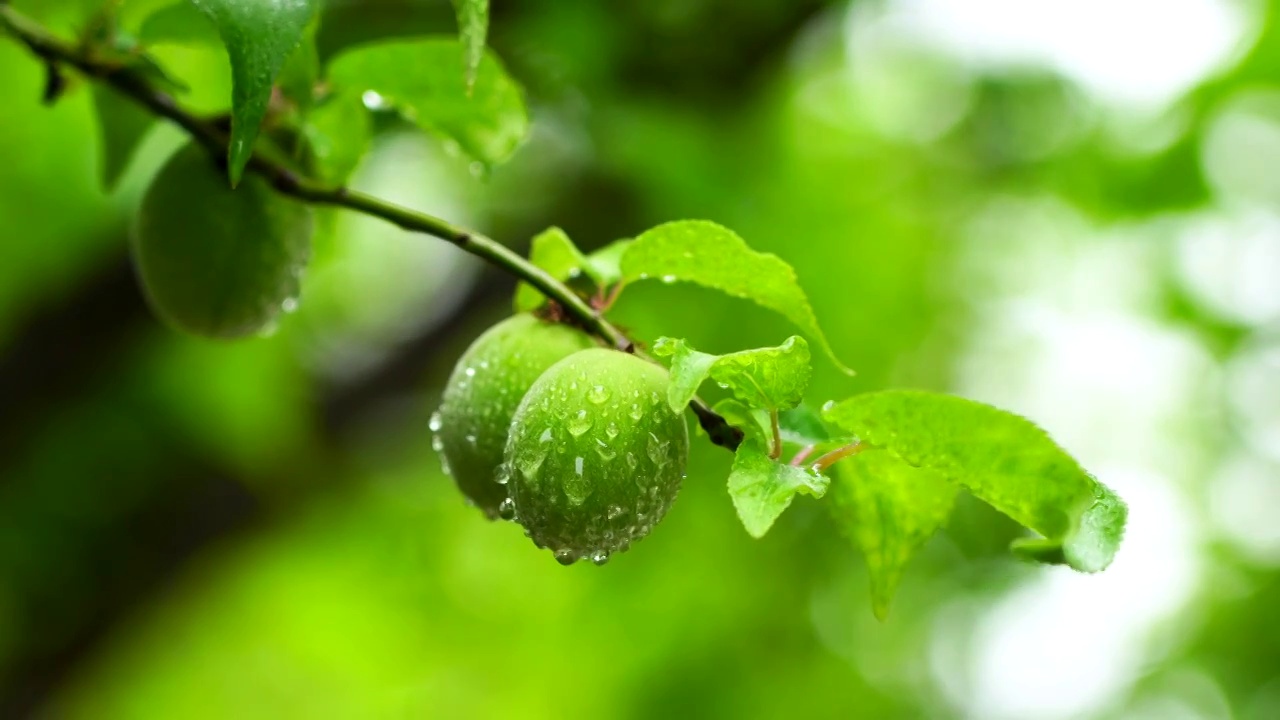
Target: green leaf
point(553, 251)
point(888, 509)
point(803, 426)
point(123, 125)
point(762, 488)
point(749, 420)
point(423, 79)
point(713, 256)
point(605, 264)
point(473, 26)
point(771, 378)
point(301, 71)
point(214, 261)
point(1001, 458)
point(338, 132)
point(178, 24)
point(259, 36)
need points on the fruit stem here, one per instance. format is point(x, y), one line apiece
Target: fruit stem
point(135, 86)
point(825, 461)
point(805, 452)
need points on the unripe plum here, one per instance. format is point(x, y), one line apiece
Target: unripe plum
point(482, 394)
point(595, 454)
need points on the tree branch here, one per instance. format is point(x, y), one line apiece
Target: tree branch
point(131, 83)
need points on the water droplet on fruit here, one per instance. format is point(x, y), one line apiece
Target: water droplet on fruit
point(636, 413)
point(529, 466)
point(566, 557)
point(598, 394)
point(658, 450)
point(611, 430)
point(289, 305)
point(507, 509)
point(604, 451)
point(579, 424)
point(668, 279)
point(631, 461)
point(470, 372)
point(545, 437)
point(576, 487)
point(599, 557)
point(436, 422)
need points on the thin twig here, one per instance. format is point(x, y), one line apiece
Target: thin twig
point(131, 83)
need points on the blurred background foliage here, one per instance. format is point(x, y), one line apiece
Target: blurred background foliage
point(1069, 209)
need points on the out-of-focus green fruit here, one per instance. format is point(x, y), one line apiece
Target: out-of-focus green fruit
point(482, 394)
point(595, 455)
point(214, 261)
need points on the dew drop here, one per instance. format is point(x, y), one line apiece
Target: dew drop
point(658, 450)
point(507, 509)
point(599, 557)
point(576, 487)
point(529, 465)
point(604, 451)
point(598, 394)
point(636, 413)
point(436, 422)
point(566, 557)
point(579, 424)
point(611, 430)
point(470, 372)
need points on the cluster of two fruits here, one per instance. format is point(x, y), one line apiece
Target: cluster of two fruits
point(574, 441)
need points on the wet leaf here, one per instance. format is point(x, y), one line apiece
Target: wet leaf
point(888, 509)
point(1002, 458)
point(769, 378)
point(473, 27)
point(762, 488)
point(713, 256)
point(423, 78)
point(259, 36)
point(553, 251)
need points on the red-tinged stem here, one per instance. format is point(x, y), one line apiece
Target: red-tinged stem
point(835, 456)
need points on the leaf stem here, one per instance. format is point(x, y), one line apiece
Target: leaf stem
point(804, 453)
point(775, 448)
point(131, 83)
point(831, 458)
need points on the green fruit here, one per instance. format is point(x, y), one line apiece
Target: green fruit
point(482, 395)
point(596, 454)
point(215, 261)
